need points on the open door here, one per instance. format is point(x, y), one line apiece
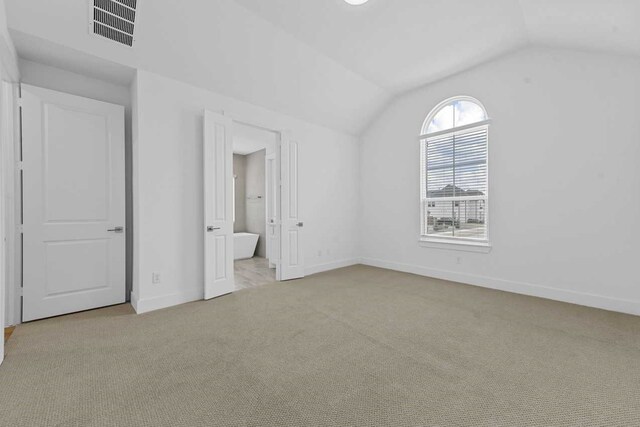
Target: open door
point(218, 205)
point(291, 260)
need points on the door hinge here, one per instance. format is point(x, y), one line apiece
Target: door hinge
point(20, 165)
point(20, 103)
point(20, 228)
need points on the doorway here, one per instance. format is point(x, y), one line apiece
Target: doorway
point(73, 199)
point(253, 175)
point(279, 194)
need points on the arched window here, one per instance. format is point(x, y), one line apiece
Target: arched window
point(454, 173)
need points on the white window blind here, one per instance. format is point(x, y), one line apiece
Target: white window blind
point(454, 183)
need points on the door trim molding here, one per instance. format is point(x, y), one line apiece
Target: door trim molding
point(278, 220)
point(11, 193)
point(90, 262)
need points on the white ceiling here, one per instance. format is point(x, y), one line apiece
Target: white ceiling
point(600, 25)
point(323, 60)
point(217, 45)
point(403, 44)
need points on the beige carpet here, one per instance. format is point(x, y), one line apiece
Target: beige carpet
point(353, 347)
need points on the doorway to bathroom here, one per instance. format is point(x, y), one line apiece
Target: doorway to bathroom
point(278, 196)
point(254, 213)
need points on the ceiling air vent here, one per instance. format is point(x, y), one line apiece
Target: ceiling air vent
point(114, 19)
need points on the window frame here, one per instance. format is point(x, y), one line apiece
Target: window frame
point(453, 242)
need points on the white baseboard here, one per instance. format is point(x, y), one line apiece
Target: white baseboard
point(134, 301)
point(573, 297)
point(314, 269)
point(163, 301)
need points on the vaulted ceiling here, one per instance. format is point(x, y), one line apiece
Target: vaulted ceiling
point(403, 44)
point(323, 60)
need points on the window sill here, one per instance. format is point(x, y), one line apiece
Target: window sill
point(453, 245)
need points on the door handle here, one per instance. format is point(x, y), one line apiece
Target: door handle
point(117, 230)
point(300, 224)
point(211, 229)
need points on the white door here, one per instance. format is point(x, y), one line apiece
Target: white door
point(272, 212)
point(73, 203)
point(218, 205)
point(291, 260)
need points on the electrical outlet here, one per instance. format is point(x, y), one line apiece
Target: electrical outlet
point(155, 278)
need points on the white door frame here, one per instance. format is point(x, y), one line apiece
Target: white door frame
point(281, 135)
point(284, 137)
point(270, 204)
point(10, 73)
point(72, 261)
point(275, 200)
point(4, 241)
point(11, 193)
point(9, 283)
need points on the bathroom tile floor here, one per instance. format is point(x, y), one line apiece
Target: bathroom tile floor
point(253, 272)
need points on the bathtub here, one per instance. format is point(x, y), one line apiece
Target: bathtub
point(244, 245)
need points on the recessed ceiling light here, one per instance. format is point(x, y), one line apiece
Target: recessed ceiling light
point(356, 2)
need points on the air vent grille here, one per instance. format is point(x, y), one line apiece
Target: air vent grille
point(110, 33)
point(115, 20)
point(112, 21)
point(129, 3)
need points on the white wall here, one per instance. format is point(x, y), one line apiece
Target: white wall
point(250, 197)
point(4, 225)
point(168, 215)
point(255, 200)
point(37, 74)
point(564, 178)
point(41, 75)
point(240, 207)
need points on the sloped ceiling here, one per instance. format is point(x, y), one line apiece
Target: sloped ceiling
point(323, 60)
point(401, 44)
point(600, 25)
point(214, 44)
